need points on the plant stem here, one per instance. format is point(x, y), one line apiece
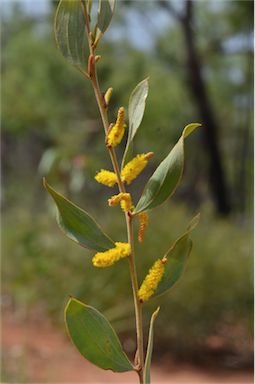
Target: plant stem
point(139, 363)
point(138, 306)
point(131, 259)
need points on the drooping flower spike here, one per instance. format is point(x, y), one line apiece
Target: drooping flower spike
point(143, 221)
point(152, 280)
point(108, 258)
point(107, 178)
point(134, 167)
point(116, 133)
point(124, 199)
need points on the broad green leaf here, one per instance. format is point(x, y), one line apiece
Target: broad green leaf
point(147, 365)
point(70, 32)
point(135, 114)
point(177, 257)
point(105, 13)
point(78, 225)
point(167, 176)
point(94, 337)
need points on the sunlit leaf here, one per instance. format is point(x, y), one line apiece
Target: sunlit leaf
point(78, 225)
point(177, 257)
point(136, 109)
point(94, 337)
point(105, 13)
point(147, 365)
point(167, 176)
point(70, 33)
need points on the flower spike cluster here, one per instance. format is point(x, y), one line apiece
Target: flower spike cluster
point(130, 172)
point(108, 258)
point(152, 280)
point(107, 178)
point(143, 221)
point(124, 199)
point(117, 131)
point(135, 167)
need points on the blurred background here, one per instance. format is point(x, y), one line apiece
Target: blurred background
point(199, 57)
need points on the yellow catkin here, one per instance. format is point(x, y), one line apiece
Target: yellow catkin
point(106, 177)
point(108, 258)
point(152, 280)
point(108, 95)
point(134, 167)
point(116, 133)
point(124, 199)
point(143, 221)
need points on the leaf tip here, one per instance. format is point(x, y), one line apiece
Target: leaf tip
point(70, 298)
point(194, 222)
point(47, 186)
point(147, 79)
point(155, 314)
point(44, 181)
point(190, 128)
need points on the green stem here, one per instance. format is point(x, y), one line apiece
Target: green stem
point(138, 306)
point(131, 259)
point(133, 274)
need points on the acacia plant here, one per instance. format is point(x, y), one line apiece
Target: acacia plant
point(78, 31)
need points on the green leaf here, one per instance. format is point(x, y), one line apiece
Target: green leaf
point(70, 33)
point(136, 109)
point(78, 225)
point(167, 176)
point(177, 257)
point(147, 366)
point(94, 337)
point(105, 13)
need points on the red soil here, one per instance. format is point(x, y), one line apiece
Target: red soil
point(35, 352)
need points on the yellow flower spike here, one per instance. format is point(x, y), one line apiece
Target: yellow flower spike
point(126, 202)
point(106, 177)
point(124, 199)
point(143, 220)
point(134, 167)
point(108, 95)
point(108, 258)
point(114, 200)
point(116, 133)
point(152, 280)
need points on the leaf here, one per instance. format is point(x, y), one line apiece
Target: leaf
point(105, 13)
point(136, 109)
point(177, 257)
point(167, 176)
point(70, 33)
point(78, 225)
point(147, 366)
point(94, 337)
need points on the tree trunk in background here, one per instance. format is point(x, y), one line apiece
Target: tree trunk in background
point(199, 92)
point(209, 129)
point(244, 147)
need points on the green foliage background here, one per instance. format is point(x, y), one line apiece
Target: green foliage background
point(51, 127)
